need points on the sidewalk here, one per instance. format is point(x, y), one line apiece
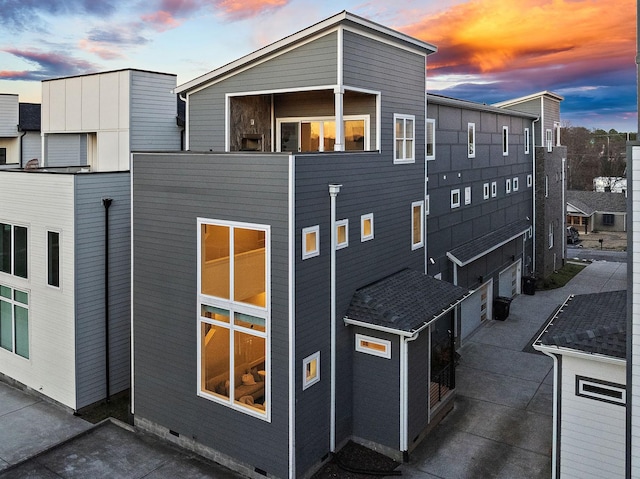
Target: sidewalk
point(501, 425)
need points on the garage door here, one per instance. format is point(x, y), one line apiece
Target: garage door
point(475, 309)
point(509, 280)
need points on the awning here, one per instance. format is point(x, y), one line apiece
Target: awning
point(477, 248)
point(403, 303)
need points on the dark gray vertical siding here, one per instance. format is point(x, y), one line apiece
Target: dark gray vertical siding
point(309, 65)
point(449, 227)
point(90, 286)
point(534, 107)
point(418, 386)
point(153, 112)
point(63, 150)
point(371, 183)
point(170, 192)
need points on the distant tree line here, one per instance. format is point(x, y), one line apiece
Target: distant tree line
point(594, 153)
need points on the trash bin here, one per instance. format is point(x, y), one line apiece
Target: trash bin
point(529, 285)
point(501, 308)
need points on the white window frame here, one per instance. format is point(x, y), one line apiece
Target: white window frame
point(233, 307)
point(455, 198)
point(430, 130)
point(582, 389)
point(557, 129)
point(48, 252)
point(407, 157)
point(546, 186)
point(549, 139)
point(527, 141)
point(471, 140)
point(486, 192)
point(363, 219)
point(505, 141)
point(321, 119)
point(494, 189)
point(339, 225)
point(13, 302)
point(307, 382)
point(516, 183)
point(467, 195)
point(551, 235)
point(362, 348)
point(529, 181)
point(12, 249)
point(307, 231)
point(427, 205)
point(508, 185)
point(417, 245)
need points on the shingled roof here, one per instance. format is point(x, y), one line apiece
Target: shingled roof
point(405, 301)
point(591, 201)
point(593, 323)
point(29, 116)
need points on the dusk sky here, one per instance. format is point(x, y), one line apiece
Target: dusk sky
point(488, 50)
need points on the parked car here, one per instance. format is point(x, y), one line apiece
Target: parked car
point(572, 235)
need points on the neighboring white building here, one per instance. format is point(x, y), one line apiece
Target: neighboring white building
point(587, 340)
point(616, 184)
point(19, 131)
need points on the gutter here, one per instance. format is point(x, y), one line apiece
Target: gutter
point(21, 153)
point(534, 176)
point(106, 202)
point(333, 193)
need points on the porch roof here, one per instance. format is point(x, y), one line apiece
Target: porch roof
point(404, 302)
point(592, 323)
point(477, 248)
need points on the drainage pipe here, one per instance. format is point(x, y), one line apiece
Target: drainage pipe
point(106, 202)
point(21, 152)
point(333, 193)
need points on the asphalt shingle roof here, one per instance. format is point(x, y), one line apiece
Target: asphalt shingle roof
point(404, 301)
point(29, 116)
point(475, 248)
point(591, 201)
point(593, 323)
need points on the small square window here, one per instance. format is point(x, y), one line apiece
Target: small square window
point(608, 219)
point(310, 242)
point(455, 198)
point(485, 191)
point(310, 370)
point(342, 234)
point(508, 185)
point(431, 138)
point(494, 189)
point(529, 181)
point(373, 346)
point(467, 195)
point(366, 227)
point(516, 184)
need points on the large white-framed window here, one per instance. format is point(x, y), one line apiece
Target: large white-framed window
point(307, 134)
point(467, 195)
point(53, 258)
point(600, 390)
point(527, 140)
point(485, 191)
point(494, 189)
point(14, 321)
point(404, 145)
point(234, 304)
point(13, 249)
point(455, 198)
point(342, 234)
point(310, 370)
point(549, 139)
point(471, 140)
point(505, 140)
point(310, 242)
point(373, 346)
point(430, 126)
point(366, 227)
point(417, 224)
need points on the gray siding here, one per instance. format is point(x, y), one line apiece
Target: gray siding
point(9, 115)
point(64, 150)
point(418, 386)
point(170, 191)
point(153, 112)
point(90, 284)
point(551, 115)
point(309, 65)
point(371, 183)
point(31, 147)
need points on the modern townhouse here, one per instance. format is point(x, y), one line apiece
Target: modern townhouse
point(19, 132)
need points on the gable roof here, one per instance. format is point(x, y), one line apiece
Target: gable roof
point(404, 302)
point(342, 18)
point(592, 323)
point(533, 96)
point(29, 116)
point(601, 201)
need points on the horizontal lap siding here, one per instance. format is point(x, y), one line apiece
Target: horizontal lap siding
point(90, 285)
point(64, 150)
point(170, 192)
point(31, 147)
point(371, 183)
point(309, 65)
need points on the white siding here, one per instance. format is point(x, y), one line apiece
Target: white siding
point(31, 146)
point(8, 115)
point(635, 311)
point(592, 435)
point(47, 202)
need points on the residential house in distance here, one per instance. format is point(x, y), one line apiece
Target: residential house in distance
point(480, 202)
point(592, 211)
point(549, 178)
point(65, 235)
point(279, 266)
point(587, 339)
point(19, 132)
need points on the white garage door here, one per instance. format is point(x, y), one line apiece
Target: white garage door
point(509, 280)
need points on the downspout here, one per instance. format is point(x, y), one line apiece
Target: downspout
point(21, 154)
point(534, 176)
point(106, 202)
point(404, 397)
point(333, 193)
point(564, 213)
point(555, 457)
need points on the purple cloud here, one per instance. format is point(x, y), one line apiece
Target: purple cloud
point(20, 14)
point(51, 65)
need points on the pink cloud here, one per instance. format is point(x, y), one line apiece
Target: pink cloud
point(99, 49)
point(241, 9)
point(161, 21)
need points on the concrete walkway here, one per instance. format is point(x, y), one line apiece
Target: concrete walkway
point(501, 425)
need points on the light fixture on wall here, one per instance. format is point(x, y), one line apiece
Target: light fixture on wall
point(432, 261)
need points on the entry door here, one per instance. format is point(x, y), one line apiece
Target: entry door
point(509, 280)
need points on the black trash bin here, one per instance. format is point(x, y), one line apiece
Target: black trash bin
point(501, 308)
point(529, 285)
